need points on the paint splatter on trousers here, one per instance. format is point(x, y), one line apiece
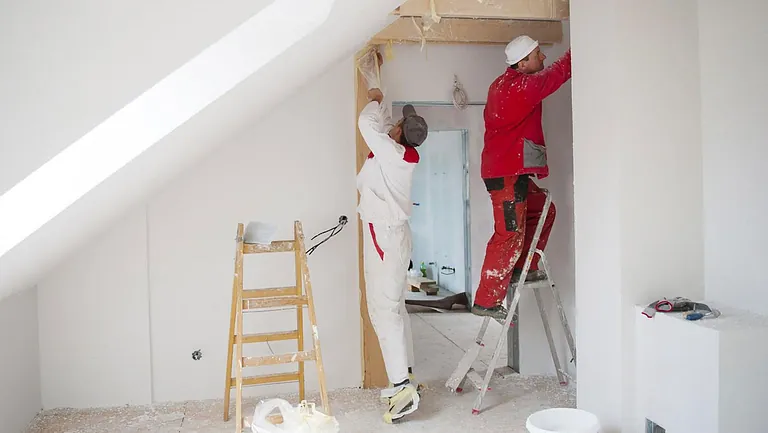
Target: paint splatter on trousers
point(517, 205)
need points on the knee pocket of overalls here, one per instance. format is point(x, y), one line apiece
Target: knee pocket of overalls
point(510, 206)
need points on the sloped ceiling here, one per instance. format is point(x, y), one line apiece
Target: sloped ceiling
point(349, 25)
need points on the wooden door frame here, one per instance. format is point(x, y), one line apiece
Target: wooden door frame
point(449, 31)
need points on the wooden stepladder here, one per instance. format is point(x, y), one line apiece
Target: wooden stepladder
point(254, 300)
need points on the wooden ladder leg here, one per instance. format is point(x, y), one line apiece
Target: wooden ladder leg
point(232, 316)
point(312, 318)
point(300, 318)
point(239, 337)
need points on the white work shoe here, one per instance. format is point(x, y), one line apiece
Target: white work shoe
point(404, 400)
point(387, 393)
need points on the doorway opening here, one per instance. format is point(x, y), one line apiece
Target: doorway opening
point(440, 215)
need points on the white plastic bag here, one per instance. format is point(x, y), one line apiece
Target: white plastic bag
point(368, 64)
point(303, 418)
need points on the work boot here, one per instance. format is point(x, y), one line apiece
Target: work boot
point(403, 400)
point(499, 312)
point(411, 378)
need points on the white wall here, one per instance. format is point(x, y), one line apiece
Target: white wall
point(67, 67)
point(734, 132)
point(94, 327)
point(20, 370)
point(637, 183)
point(165, 272)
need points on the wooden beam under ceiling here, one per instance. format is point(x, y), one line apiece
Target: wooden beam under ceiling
point(468, 31)
point(498, 9)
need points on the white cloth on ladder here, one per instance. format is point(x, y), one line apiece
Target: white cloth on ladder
point(386, 265)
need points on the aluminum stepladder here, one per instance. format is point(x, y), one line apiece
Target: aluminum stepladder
point(254, 300)
point(464, 369)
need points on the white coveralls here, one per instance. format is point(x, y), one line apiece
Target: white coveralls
point(384, 184)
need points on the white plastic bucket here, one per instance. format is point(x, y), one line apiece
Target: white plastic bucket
point(562, 420)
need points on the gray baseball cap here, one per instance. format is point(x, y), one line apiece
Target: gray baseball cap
point(414, 126)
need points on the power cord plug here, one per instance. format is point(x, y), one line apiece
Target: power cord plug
point(343, 220)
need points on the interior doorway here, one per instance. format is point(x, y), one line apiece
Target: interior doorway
point(440, 213)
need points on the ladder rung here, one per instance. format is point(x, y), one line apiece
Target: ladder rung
point(274, 247)
point(267, 378)
point(268, 293)
point(281, 301)
point(256, 361)
point(544, 284)
point(273, 336)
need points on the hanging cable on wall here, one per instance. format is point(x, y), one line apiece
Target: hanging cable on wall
point(333, 232)
point(459, 95)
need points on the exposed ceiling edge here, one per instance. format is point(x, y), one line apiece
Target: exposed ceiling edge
point(468, 31)
point(494, 9)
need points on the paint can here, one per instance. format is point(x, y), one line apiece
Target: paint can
point(562, 420)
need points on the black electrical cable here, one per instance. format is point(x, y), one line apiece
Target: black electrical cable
point(334, 231)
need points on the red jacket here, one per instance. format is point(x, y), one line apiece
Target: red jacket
point(514, 139)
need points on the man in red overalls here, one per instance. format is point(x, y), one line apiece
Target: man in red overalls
point(514, 151)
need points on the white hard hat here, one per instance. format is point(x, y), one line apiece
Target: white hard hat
point(520, 47)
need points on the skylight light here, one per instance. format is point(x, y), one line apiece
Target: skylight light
point(146, 120)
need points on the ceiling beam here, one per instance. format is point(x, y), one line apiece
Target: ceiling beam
point(494, 9)
point(468, 31)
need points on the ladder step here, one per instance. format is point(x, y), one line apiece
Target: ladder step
point(269, 293)
point(281, 301)
point(274, 247)
point(475, 378)
point(536, 284)
point(267, 378)
point(287, 358)
point(273, 336)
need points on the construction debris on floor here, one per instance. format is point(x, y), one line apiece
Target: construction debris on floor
point(357, 410)
point(439, 339)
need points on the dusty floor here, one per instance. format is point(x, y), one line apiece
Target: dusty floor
point(505, 408)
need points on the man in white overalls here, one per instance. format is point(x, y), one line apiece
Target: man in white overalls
point(384, 183)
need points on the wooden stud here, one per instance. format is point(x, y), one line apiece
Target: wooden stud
point(469, 31)
point(374, 371)
point(496, 9)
